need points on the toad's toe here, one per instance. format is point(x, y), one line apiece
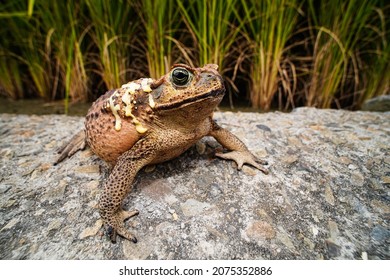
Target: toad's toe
point(244, 157)
point(115, 225)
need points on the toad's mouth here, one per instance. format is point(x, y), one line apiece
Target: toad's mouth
point(198, 98)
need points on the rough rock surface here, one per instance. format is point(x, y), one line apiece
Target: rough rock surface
point(377, 104)
point(326, 197)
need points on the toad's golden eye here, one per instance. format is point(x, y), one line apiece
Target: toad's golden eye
point(181, 76)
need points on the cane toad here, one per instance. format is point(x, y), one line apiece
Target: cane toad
point(150, 121)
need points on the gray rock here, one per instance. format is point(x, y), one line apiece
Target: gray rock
point(377, 104)
point(333, 249)
point(380, 234)
point(326, 195)
point(263, 127)
point(193, 207)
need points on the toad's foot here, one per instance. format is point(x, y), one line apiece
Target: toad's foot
point(244, 157)
point(115, 225)
point(76, 143)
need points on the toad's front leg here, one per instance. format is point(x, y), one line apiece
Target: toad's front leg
point(238, 151)
point(118, 185)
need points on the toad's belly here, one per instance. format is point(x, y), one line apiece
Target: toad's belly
point(171, 153)
point(172, 143)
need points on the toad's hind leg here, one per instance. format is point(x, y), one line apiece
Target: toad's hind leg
point(118, 185)
point(76, 143)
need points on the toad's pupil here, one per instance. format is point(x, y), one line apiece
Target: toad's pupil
point(180, 76)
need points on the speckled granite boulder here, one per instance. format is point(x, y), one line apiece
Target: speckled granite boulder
point(377, 104)
point(326, 197)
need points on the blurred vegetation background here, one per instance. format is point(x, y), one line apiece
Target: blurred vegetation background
point(277, 54)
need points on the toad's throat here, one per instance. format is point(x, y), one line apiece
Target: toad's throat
point(182, 103)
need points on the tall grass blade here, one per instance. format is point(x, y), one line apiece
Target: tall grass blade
point(268, 26)
point(339, 26)
point(376, 58)
point(112, 31)
point(160, 20)
point(212, 25)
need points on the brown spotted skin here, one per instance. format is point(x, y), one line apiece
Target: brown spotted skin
point(101, 136)
point(167, 117)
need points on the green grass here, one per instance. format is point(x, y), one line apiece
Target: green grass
point(376, 56)
point(46, 45)
point(161, 21)
point(17, 11)
point(10, 78)
point(112, 31)
point(13, 15)
point(338, 27)
point(268, 25)
point(212, 28)
point(282, 53)
point(60, 66)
